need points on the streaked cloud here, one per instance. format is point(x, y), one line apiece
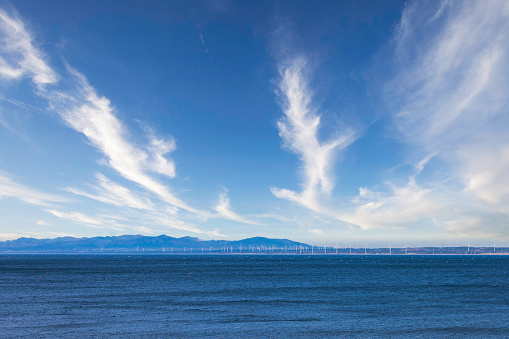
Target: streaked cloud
point(112, 193)
point(224, 209)
point(18, 54)
point(94, 116)
point(172, 222)
point(12, 189)
point(79, 218)
point(299, 130)
point(450, 101)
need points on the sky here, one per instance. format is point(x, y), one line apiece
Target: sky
point(327, 122)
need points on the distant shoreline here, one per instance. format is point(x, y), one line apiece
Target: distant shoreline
point(252, 254)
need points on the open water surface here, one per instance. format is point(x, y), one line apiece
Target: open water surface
point(253, 296)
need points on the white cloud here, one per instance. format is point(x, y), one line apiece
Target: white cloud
point(451, 86)
point(487, 175)
point(79, 218)
point(450, 100)
point(158, 162)
point(299, 129)
point(9, 188)
point(202, 40)
point(279, 217)
point(9, 236)
point(177, 224)
point(138, 221)
point(114, 194)
point(224, 209)
point(18, 55)
point(401, 207)
point(92, 115)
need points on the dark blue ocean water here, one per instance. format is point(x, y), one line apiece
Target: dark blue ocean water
point(253, 296)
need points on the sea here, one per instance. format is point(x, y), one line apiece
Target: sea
point(254, 296)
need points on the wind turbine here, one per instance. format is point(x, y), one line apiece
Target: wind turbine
point(406, 248)
point(468, 247)
point(366, 248)
point(390, 249)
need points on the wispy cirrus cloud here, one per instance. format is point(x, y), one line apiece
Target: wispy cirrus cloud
point(112, 193)
point(449, 100)
point(174, 223)
point(18, 54)
point(10, 188)
point(94, 116)
point(299, 129)
point(224, 209)
point(80, 218)
point(135, 220)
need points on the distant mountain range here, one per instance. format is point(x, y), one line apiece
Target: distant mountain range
point(191, 245)
point(146, 244)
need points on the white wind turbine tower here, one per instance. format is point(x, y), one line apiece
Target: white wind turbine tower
point(468, 247)
point(406, 248)
point(366, 248)
point(494, 247)
point(390, 249)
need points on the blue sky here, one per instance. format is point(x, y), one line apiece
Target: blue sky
point(325, 122)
